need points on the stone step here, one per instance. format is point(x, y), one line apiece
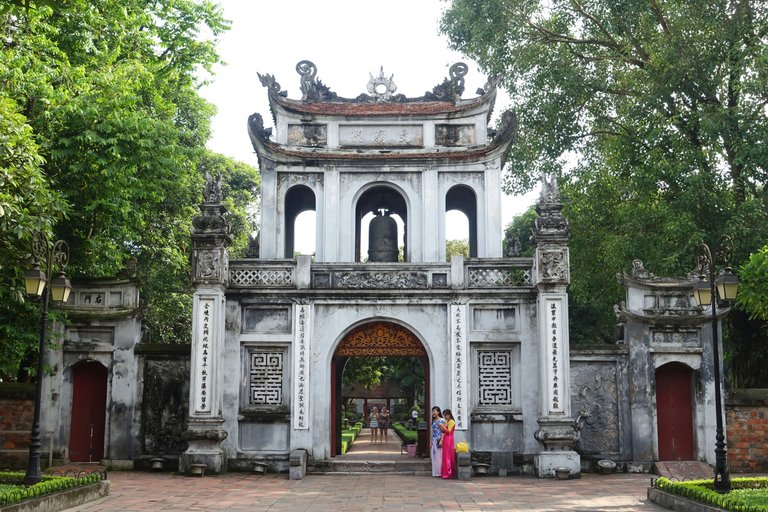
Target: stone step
point(684, 470)
point(393, 467)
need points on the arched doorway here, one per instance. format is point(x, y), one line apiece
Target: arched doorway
point(674, 411)
point(89, 412)
point(378, 338)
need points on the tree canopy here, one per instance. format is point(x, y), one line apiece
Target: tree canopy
point(652, 114)
point(102, 134)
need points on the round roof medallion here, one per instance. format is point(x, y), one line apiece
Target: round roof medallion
point(381, 87)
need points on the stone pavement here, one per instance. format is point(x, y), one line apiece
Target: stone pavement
point(240, 492)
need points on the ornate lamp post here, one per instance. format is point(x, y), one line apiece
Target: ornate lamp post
point(42, 286)
point(706, 291)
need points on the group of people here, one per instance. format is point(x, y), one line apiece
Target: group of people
point(443, 446)
point(379, 423)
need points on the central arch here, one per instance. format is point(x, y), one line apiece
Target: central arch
point(371, 339)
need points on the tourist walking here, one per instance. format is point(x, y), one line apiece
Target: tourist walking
point(448, 468)
point(383, 424)
point(437, 435)
point(374, 424)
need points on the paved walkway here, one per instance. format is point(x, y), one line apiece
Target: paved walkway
point(240, 492)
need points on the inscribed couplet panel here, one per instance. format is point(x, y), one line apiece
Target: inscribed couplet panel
point(459, 362)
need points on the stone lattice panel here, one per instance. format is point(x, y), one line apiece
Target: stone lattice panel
point(273, 278)
point(495, 377)
point(494, 277)
point(266, 378)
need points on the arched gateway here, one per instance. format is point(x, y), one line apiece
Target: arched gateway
point(271, 331)
point(372, 339)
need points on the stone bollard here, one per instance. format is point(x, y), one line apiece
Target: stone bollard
point(465, 468)
point(298, 463)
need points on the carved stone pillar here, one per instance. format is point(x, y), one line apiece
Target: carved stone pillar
point(556, 432)
point(210, 274)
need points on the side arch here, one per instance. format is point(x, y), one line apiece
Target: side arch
point(298, 199)
point(463, 199)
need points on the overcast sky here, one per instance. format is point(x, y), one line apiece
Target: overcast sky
point(346, 40)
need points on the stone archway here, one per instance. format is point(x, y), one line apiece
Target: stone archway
point(375, 338)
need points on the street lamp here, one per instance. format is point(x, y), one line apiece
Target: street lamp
point(42, 286)
point(706, 291)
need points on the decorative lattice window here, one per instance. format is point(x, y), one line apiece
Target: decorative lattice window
point(266, 378)
point(495, 376)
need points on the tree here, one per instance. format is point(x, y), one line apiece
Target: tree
point(456, 248)
point(652, 114)
point(108, 92)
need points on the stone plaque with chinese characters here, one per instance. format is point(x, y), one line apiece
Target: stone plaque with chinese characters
point(301, 359)
point(459, 370)
point(381, 135)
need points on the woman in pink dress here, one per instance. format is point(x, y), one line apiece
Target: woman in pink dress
point(448, 469)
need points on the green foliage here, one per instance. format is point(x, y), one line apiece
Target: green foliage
point(519, 231)
point(456, 248)
point(753, 288)
point(653, 117)
point(100, 104)
point(746, 493)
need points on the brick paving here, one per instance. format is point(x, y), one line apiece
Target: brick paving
point(235, 492)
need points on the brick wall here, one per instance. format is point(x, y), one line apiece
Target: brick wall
point(747, 420)
point(17, 409)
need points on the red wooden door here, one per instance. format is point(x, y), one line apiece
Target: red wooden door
point(674, 412)
point(89, 408)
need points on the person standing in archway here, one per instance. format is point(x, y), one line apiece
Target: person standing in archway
point(448, 469)
point(374, 424)
point(383, 425)
point(437, 436)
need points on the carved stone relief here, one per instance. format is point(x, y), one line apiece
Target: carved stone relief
point(401, 280)
point(553, 266)
point(311, 135)
point(596, 401)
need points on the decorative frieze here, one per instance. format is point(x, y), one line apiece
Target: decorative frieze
point(301, 358)
point(455, 135)
point(459, 365)
point(310, 135)
point(380, 339)
point(362, 280)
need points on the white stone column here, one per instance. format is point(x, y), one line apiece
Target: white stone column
point(492, 218)
point(431, 216)
point(329, 250)
point(268, 231)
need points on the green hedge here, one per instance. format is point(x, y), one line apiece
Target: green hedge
point(49, 485)
point(405, 434)
point(747, 494)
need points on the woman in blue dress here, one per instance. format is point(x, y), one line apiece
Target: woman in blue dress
point(437, 434)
